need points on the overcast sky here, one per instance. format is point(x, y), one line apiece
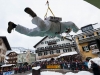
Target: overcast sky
point(77, 11)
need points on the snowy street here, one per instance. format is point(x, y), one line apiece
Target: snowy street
point(69, 73)
point(57, 73)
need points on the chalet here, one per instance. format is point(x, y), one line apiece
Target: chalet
point(88, 41)
point(52, 47)
point(4, 46)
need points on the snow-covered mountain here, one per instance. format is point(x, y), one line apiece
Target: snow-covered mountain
point(19, 50)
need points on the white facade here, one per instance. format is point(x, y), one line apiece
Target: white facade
point(44, 53)
point(26, 57)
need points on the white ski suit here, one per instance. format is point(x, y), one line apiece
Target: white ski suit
point(46, 28)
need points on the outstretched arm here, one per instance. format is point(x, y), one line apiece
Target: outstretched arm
point(28, 32)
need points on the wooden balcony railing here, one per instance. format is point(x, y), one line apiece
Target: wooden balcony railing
point(56, 47)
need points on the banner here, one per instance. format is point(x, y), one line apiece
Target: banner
point(8, 73)
point(53, 66)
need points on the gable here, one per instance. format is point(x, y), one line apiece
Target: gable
point(5, 41)
point(51, 40)
point(11, 53)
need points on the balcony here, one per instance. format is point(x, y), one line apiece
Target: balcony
point(11, 62)
point(54, 48)
point(73, 45)
point(12, 55)
point(88, 39)
point(51, 43)
point(11, 59)
point(95, 51)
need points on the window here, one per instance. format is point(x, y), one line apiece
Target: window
point(64, 50)
point(57, 51)
point(94, 48)
point(46, 42)
point(39, 54)
point(54, 46)
point(63, 45)
point(98, 33)
point(57, 40)
point(38, 48)
point(51, 52)
point(50, 47)
point(85, 48)
point(45, 53)
point(42, 48)
point(51, 42)
point(75, 49)
point(67, 43)
point(42, 42)
point(62, 39)
point(50, 37)
point(47, 47)
point(69, 50)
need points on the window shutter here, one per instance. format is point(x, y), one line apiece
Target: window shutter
point(0, 42)
point(83, 48)
point(89, 47)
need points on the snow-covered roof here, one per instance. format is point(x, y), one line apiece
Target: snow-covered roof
point(47, 59)
point(10, 52)
point(68, 53)
point(5, 65)
point(20, 50)
point(96, 27)
point(36, 68)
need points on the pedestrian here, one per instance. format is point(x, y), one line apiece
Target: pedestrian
point(44, 27)
point(73, 66)
point(68, 65)
point(95, 68)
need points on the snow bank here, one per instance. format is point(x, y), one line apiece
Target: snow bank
point(79, 73)
point(66, 54)
point(50, 73)
point(96, 60)
point(69, 73)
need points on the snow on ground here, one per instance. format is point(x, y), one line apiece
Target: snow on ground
point(69, 73)
point(96, 60)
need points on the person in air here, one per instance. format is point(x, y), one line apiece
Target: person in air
point(44, 27)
